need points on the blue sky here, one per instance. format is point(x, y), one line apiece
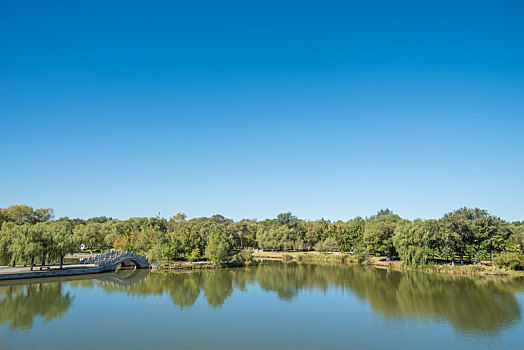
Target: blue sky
point(323, 108)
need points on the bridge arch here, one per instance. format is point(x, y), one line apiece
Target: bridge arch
point(111, 260)
point(128, 263)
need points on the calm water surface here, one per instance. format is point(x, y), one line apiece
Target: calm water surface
point(274, 305)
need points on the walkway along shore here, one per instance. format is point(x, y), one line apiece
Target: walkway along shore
point(105, 262)
point(12, 273)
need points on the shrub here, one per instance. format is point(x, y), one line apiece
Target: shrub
point(243, 258)
point(286, 257)
point(327, 245)
point(194, 255)
point(512, 261)
point(363, 257)
point(342, 257)
point(477, 268)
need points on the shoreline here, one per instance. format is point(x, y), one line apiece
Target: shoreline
point(23, 272)
point(379, 262)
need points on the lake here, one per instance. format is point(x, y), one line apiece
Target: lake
point(295, 305)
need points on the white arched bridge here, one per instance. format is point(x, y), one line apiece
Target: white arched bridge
point(109, 261)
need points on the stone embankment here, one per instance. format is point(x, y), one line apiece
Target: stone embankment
point(20, 272)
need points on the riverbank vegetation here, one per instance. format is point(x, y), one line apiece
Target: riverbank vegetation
point(463, 236)
point(441, 267)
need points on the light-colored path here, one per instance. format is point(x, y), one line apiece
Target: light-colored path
point(25, 269)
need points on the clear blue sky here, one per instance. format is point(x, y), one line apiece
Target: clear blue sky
point(323, 108)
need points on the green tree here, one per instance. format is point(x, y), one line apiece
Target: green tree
point(18, 246)
point(472, 232)
point(349, 235)
point(21, 214)
point(63, 240)
point(283, 233)
point(378, 234)
point(8, 232)
point(194, 255)
point(417, 242)
point(515, 242)
point(219, 245)
point(327, 245)
point(170, 251)
point(35, 240)
point(87, 234)
point(490, 235)
point(179, 217)
point(26, 242)
point(3, 216)
point(189, 237)
point(244, 233)
point(311, 234)
point(110, 231)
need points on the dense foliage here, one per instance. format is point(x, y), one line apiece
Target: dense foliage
point(471, 235)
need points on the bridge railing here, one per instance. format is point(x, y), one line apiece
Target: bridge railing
point(116, 257)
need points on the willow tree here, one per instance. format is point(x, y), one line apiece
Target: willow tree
point(87, 234)
point(35, 237)
point(8, 232)
point(417, 242)
point(25, 243)
point(18, 243)
point(63, 240)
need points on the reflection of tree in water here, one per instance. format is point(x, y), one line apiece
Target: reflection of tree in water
point(218, 286)
point(184, 288)
point(470, 304)
point(20, 304)
point(289, 278)
point(184, 291)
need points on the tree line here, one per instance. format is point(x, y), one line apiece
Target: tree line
point(463, 235)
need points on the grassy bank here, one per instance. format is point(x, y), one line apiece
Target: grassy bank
point(199, 265)
point(380, 262)
point(183, 265)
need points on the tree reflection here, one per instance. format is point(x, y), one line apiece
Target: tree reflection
point(471, 304)
point(468, 303)
point(20, 304)
point(185, 287)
